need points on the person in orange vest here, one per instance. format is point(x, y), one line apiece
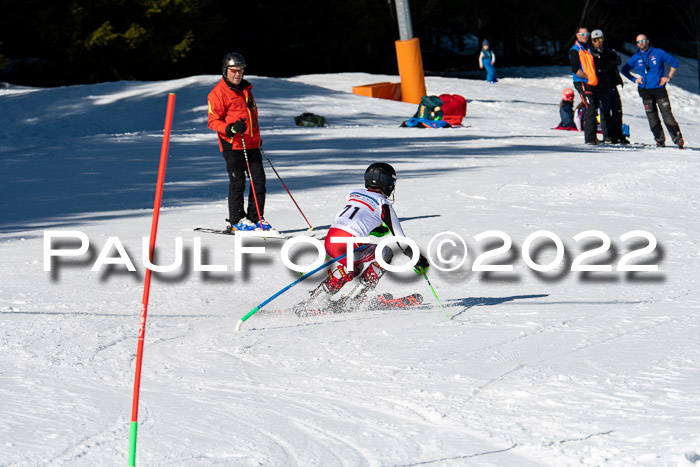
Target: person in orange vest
point(585, 82)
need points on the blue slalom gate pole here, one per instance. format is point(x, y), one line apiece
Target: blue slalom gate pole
point(310, 273)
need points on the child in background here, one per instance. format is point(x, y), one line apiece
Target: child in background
point(487, 59)
point(566, 111)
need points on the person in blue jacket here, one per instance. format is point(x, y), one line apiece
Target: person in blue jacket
point(649, 64)
point(487, 59)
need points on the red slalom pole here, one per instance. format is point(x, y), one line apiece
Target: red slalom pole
point(147, 282)
point(311, 227)
point(252, 185)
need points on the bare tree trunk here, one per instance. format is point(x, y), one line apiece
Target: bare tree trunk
point(697, 39)
point(688, 15)
point(584, 13)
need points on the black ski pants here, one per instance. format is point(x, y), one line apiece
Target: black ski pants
point(611, 114)
point(589, 96)
point(237, 169)
point(656, 100)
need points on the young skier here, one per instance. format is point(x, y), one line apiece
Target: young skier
point(566, 111)
point(366, 212)
point(487, 59)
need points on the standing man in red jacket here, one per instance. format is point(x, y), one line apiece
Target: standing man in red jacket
point(233, 114)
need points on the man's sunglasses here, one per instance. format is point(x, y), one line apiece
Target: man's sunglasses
point(642, 41)
point(584, 34)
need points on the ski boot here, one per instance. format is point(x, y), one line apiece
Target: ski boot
point(335, 282)
point(265, 225)
point(243, 225)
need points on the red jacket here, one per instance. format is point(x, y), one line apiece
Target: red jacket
point(227, 106)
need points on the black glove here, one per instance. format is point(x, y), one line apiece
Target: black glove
point(421, 266)
point(238, 127)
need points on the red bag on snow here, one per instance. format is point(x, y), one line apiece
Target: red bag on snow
point(454, 108)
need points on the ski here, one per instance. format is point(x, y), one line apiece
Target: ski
point(401, 302)
point(634, 145)
point(214, 231)
point(328, 307)
point(378, 302)
point(311, 307)
point(273, 234)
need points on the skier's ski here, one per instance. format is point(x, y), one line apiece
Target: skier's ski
point(407, 301)
point(633, 145)
point(319, 234)
point(328, 307)
point(273, 234)
point(312, 307)
point(214, 231)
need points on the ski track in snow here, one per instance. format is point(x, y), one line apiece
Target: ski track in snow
point(523, 368)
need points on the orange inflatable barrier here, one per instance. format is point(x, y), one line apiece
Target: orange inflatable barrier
point(384, 90)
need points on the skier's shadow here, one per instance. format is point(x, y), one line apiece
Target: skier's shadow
point(470, 302)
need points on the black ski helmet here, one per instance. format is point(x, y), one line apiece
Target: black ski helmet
point(382, 176)
point(232, 59)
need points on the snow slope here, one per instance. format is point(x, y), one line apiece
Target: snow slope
point(521, 368)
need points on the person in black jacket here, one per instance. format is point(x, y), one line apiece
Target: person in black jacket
point(606, 63)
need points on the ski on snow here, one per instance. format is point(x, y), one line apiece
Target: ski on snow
point(273, 234)
point(384, 301)
point(633, 145)
point(407, 301)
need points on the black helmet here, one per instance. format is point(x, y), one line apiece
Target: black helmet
point(232, 59)
point(382, 176)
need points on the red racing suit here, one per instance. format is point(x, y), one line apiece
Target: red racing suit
point(227, 105)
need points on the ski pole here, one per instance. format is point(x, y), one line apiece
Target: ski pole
point(252, 185)
point(310, 273)
point(425, 274)
point(311, 227)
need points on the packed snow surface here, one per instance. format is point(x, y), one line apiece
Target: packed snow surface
point(521, 367)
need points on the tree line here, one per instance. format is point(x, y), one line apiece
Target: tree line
point(64, 42)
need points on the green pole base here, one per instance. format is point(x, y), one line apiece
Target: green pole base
point(132, 443)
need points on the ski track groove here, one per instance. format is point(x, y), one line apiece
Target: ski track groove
point(82, 448)
point(537, 363)
point(313, 431)
point(466, 456)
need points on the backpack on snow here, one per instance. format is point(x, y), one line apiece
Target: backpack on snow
point(309, 119)
point(430, 108)
point(454, 108)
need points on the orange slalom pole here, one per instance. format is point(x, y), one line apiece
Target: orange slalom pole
point(147, 282)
